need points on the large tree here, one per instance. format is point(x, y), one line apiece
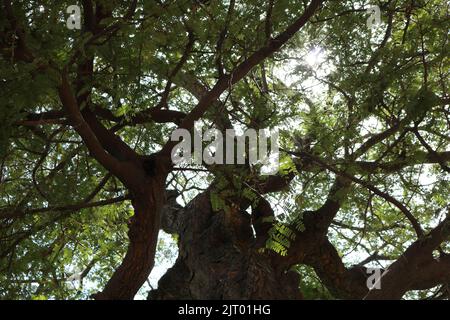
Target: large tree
point(87, 180)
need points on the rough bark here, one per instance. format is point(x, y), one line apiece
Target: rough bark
point(416, 268)
point(146, 183)
point(143, 235)
point(219, 258)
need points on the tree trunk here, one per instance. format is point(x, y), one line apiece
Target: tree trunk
point(143, 236)
point(219, 258)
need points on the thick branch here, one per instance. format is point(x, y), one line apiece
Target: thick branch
point(408, 269)
point(241, 71)
point(120, 169)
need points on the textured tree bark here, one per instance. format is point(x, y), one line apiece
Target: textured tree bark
point(416, 268)
point(143, 235)
point(219, 258)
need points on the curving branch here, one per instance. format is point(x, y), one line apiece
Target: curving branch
point(227, 81)
point(408, 271)
point(367, 185)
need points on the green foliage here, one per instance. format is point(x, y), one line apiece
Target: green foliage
point(280, 237)
point(361, 87)
point(310, 284)
point(421, 103)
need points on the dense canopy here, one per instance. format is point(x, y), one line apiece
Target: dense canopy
point(87, 185)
